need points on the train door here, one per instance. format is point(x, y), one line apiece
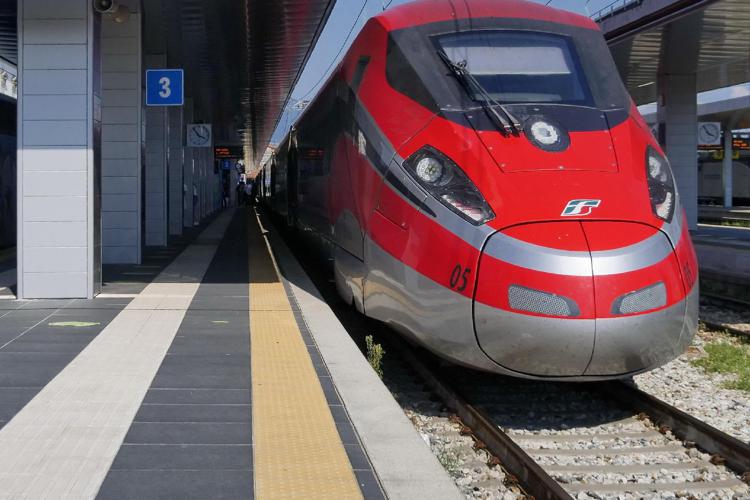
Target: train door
point(292, 179)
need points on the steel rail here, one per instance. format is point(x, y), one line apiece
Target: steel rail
point(725, 449)
point(733, 452)
point(533, 478)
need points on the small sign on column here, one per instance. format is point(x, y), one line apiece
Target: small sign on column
point(165, 87)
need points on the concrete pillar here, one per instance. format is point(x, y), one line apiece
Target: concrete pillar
point(156, 166)
point(122, 140)
point(677, 108)
point(176, 158)
point(188, 171)
point(678, 113)
point(726, 166)
point(59, 149)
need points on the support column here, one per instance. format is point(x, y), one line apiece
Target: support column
point(176, 159)
point(188, 172)
point(156, 166)
point(726, 166)
point(121, 140)
point(678, 114)
point(59, 149)
point(677, 108)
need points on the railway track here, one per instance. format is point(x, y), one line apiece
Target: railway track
point(606, 440)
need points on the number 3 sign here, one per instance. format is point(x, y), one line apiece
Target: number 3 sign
point(165, 87)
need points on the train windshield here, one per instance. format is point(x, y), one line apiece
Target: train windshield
point(520, 67)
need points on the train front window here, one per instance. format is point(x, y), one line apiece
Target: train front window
point(520, 66)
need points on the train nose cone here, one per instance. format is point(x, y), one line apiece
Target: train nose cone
point(530, 278)
point(568, 299)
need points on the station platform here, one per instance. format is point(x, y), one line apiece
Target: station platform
point(217, 373)
point(723, 250)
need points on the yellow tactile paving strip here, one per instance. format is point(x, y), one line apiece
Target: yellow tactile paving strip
point(297, 450)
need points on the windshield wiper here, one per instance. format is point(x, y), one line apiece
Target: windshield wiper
point(506, 122)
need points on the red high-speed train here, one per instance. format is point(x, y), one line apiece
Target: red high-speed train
point(487, 187)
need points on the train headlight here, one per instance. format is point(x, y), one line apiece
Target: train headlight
point(430, 170)
point(661, 189)
point(546, 134)
point(448, 184)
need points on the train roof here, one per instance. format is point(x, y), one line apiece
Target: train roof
point(431, 11)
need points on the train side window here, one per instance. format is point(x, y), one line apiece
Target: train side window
point(359, 72)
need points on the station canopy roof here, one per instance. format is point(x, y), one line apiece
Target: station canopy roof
point(8, 37)
point(716, 35)
point(241, 57)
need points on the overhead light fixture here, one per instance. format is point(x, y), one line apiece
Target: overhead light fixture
point(645, 84)
point(118, 12)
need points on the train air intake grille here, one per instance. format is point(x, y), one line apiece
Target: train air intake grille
point(645, 299)
point(536, 301)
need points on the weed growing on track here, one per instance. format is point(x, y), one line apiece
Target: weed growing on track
point(732, 356)
point(450, 462)
point(375, 353)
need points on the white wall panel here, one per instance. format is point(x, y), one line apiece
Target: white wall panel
point(40, 183)
point(55, 56)
point(55, 260)
point(55, 208)
point(58, 158)
point(55, 133)
point(156, 166)
point(55, 31)
point(122, 115)
point(54, 81)
point(121, 141)
point(55, 234)
point(121, 133)
point(121, 220)
point(55, 285)
point(57, 9)
point(54, 107)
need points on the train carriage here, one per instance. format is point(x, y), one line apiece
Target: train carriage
point(489, 189)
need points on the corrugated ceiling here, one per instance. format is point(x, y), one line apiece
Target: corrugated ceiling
point(723, 57)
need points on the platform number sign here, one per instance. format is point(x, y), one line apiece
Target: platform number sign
point(165, 87)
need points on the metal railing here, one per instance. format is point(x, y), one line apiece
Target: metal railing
point(614, 8)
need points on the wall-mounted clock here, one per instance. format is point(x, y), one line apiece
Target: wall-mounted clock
point(199, 135)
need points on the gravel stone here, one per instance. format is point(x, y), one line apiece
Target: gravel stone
point(698, 393)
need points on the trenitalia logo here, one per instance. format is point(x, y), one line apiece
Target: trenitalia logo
point(580, 207)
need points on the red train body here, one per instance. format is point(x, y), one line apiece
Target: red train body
point(486, 186)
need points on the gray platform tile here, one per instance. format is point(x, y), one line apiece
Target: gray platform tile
point(30, 305)
point(197, 396)
point(23, 316)
point(193, 413)
point(8, 305)
point(13, 399)
point(189, 433)
point(220, 304)
point(193, 381)
point(357, 457)
point(198, 313)
point(329, 390)
point(183, 457)
point(347, 434)
point(205, 344)
point(216, 327)
point(369, 485)
point(339, 413)
point(99, 303)
point(183, 485)
point(75, 312)
point(207, 364)
point(223, 290)
point(58, 346)
point(123, 288)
